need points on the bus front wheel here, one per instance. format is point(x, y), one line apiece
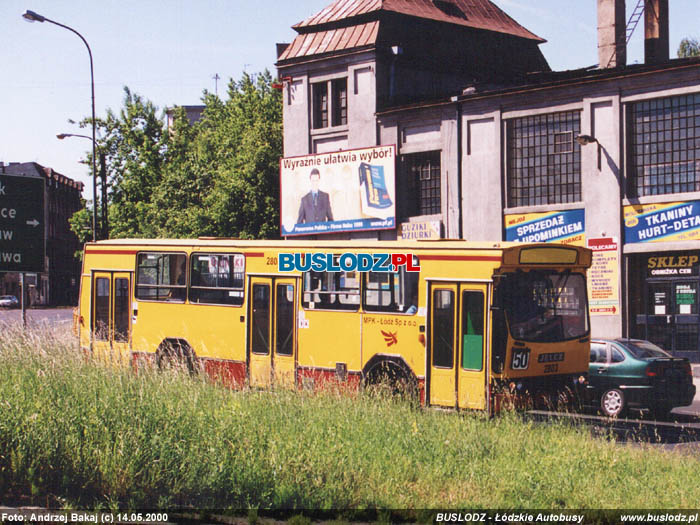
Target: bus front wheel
point(390, 378)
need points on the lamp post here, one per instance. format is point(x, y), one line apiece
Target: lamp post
point(31, 16)
point(103, 172)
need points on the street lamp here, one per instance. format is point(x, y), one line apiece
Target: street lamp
point(31, 16)
point(103, 171)
point(585, 140)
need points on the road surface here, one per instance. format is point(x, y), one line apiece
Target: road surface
point(38, 316)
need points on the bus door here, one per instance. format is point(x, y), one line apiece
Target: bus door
point(111, 315)
point(458, 316)
point(272, 331)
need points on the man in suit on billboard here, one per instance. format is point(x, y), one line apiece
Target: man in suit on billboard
point(316, 205)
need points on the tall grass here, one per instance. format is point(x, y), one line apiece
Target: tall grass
point(91, 435)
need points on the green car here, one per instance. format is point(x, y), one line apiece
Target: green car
point(625, 373)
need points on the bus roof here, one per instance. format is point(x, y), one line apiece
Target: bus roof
point(444, 244)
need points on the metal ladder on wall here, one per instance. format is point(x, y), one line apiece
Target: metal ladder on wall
point(631, 24)
point(634, 19)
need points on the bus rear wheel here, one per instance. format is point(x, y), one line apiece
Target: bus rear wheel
point(175, 354)
point(391, 379)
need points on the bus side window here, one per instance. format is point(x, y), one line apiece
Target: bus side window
point(217, 278)
point(392, 291)
point(331, 290)
point(161, 276)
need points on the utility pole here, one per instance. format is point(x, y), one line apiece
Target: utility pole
point(216, 78)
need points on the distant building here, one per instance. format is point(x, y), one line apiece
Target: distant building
point(193, 113)
point(58, 285)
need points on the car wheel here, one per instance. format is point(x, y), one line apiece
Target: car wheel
point(612, 402)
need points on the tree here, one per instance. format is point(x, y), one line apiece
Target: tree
point(81, 225)
point(245, 134)
point(221, 174)
point(135, 152)
point(689, 47)
point(216, 177)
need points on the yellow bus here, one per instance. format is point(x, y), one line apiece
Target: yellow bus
point(477, 321)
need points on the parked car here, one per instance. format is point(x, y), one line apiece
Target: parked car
point(8, 301)
point(625, 373)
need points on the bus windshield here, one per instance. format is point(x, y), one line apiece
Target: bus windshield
point(544, 305)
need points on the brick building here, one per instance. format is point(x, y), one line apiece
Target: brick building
point(58, 284)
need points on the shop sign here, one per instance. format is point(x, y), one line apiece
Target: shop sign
point(673, 264)
point(337, 192)
point(685, 297)
point(671, 221)
point(604, 277)
point(412, 231)
point(567, 227)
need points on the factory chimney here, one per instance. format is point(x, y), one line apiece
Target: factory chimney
point(656, 47)
point(612, 47)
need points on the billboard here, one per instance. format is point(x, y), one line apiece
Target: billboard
point(340, 191)
point(670, 221)
point(567, 227)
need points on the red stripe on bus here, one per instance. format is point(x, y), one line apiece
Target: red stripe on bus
point(112, 252)
point(132, 252)
point(459, 258)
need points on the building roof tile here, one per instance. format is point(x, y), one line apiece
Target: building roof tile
point(337, 39)
point(478, 14)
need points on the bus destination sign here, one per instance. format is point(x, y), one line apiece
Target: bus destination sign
point(22, 226)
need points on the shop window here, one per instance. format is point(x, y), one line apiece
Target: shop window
point(418, 191)
point(544, 159)
point(663, 146)
point(161, 276)
point(329, 99)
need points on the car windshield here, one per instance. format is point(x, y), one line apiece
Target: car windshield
point(544, 305)
point(644, 349)
point(6, 297)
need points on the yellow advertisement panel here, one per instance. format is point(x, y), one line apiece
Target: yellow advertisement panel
point(668, 221)
point(604, 277)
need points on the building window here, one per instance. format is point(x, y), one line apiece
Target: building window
point(419, 191)
point(544, 159)
point(320, 109)
point(338, 102)
point(663, 147)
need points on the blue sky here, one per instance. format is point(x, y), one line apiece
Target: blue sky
point(168, 52)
